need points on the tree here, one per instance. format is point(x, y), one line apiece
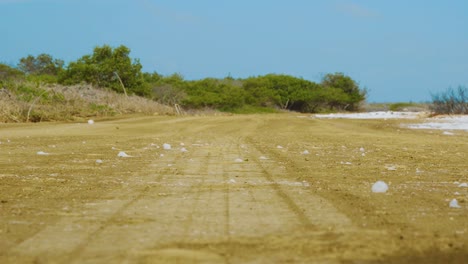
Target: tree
point(166, 90)
point(108, 67)
point(343, 92)
point(280, 91)
point(42, 64)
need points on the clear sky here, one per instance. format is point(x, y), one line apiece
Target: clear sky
point(401, 50)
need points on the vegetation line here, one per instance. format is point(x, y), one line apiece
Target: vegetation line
point(111, 71)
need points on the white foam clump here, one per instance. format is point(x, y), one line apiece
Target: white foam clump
point(379, 187)
point(167, 146)
point(454, 204)
point(90, 122)
point(463, 184)
point(305, 152)
point(123, 155)
point(42, 153)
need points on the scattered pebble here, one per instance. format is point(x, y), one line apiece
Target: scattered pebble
point(90, 122)
point(99, 161)
point(391, 168)
point(42, 153)
point(238, 160)
point(346, 163)
point(362, 150)
point(167, 146)
point(232, 181)
point(379, 187)
point(463, 184)
point(454, 204)
point(448, 133)
point(305, 152)
point(183, 150)
point(123, 155)
point(263, 158)
point(279, 147)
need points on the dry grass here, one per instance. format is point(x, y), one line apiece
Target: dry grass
point(66, 103)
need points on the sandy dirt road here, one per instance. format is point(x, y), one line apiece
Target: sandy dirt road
point(243, 192)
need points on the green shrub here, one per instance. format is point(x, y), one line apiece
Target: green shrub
point(108, 67)
point(9, 73)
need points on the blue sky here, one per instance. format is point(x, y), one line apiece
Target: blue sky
point(401, 50)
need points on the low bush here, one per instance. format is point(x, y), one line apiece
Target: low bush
point(451, 101)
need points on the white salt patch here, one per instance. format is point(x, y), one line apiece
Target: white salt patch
point(166, 146)
point(463, 185)
point(379, 187)
point(123, 155)
point(372, 115)
point(238, 160)
point(454, 204)
point(305, 152)
point(90, 122)
point(444, 123)
point(42, 153)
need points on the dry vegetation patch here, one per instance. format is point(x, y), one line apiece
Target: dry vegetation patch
point(29, 102)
